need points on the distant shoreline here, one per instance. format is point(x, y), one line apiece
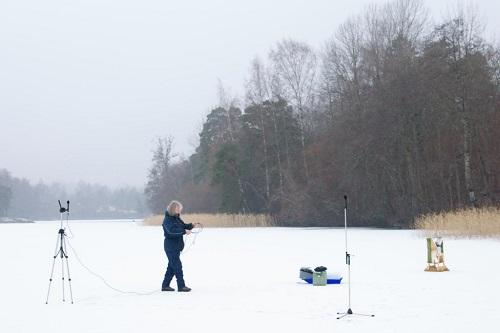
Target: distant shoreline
point(93, 220)
point(23, 220)
point(15, 220)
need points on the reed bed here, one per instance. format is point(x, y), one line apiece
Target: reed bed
point(220, 220)
point(474, 222)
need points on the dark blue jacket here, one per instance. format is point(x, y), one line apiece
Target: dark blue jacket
point(173, 229)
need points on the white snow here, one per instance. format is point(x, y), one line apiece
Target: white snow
point(245, 280)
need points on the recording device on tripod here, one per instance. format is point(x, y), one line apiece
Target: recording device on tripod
point(63, 209)
point(61, 252)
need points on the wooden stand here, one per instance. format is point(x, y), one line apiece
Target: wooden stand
point(435, 255)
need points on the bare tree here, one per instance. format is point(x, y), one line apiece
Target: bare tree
point(257, 93)
point(383, 24)
point(157, 188)
point(227, 102)
point(294, 64)
point(342, 71)
point(462, 34)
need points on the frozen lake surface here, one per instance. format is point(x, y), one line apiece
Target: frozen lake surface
point(245, 280)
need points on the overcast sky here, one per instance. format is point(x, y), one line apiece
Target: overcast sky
point(87, 86)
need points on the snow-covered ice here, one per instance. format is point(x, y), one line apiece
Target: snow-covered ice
point(245, 280)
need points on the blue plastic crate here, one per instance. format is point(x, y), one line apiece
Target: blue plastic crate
point(330, 279)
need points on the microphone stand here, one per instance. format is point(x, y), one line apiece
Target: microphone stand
point(349, 311)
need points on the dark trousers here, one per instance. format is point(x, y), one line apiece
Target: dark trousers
point(174, 268)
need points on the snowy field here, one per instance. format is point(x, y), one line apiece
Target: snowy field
point(245, 280)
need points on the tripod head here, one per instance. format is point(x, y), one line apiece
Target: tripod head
point(63, 209)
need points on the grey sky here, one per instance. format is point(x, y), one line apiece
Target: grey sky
point(87, 86)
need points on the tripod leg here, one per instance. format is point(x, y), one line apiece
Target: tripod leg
point(56, 252)
point(62, 271)
point(69, 276)
point(69, 281)
point(50, 280)
point(342, 315)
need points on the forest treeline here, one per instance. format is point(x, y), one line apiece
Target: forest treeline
point(399, 113)
point(20, 198)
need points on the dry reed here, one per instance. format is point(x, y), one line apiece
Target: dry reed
point(219, 220)
point(474, 222)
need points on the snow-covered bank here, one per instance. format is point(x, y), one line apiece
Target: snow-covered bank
point(245, 280)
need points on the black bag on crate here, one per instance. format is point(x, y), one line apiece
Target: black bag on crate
point(306, 273)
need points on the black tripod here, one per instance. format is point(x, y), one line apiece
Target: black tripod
point(348, 263)
point(62, 253)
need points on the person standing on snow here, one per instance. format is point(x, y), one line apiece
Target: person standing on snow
point(174, 229)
